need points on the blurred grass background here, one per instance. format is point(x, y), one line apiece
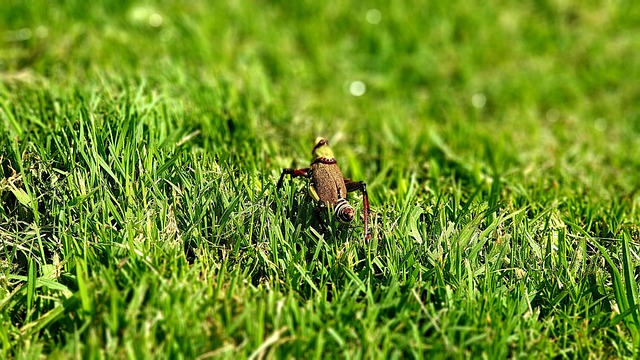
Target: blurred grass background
point(549, 78)
point(530, 107)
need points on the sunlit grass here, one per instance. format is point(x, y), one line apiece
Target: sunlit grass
point(141, 145)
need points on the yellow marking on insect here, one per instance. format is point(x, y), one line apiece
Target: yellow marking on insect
point(322, 150)
point(313, 193)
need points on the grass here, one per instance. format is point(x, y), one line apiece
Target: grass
point(141, 144)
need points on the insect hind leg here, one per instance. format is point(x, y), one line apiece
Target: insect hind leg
point(362, 186)
point(293, 173)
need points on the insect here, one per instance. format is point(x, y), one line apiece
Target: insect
point(328, 188)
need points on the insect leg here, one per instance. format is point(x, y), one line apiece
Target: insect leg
point(362, 186)
point(317, 213)
point(293, 173)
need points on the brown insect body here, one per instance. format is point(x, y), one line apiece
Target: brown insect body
point(328, 182)
point(328, 188)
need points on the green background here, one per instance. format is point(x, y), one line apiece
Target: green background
point(142, 141)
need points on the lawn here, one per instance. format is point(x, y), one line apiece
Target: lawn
point(141, 143)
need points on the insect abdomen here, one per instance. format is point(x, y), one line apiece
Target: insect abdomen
point(328, 183)
point(344, 211)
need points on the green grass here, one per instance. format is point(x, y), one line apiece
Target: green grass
point(138, 210)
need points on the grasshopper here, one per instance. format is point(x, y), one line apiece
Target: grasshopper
point(327, 186)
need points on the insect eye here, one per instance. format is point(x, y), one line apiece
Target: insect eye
point(321, 143)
